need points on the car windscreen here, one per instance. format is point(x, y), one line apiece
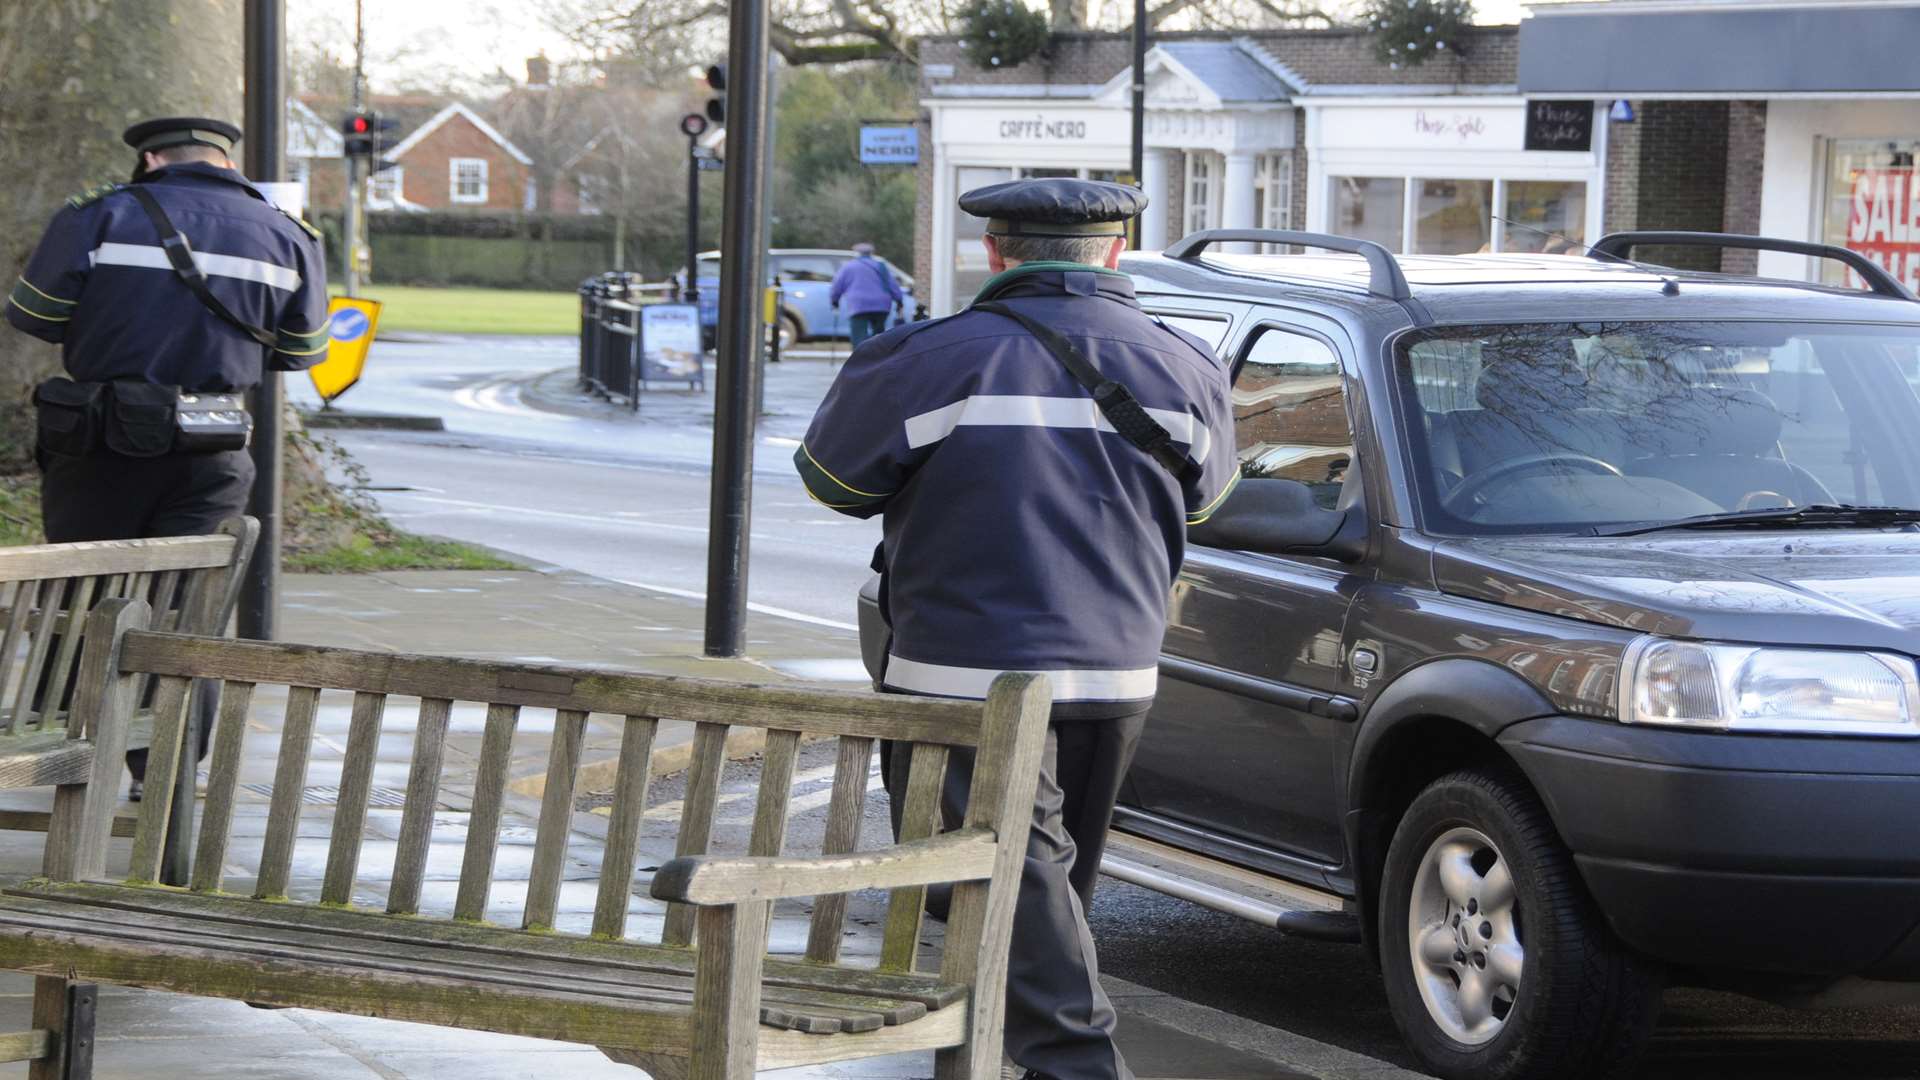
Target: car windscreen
point(1542, 428)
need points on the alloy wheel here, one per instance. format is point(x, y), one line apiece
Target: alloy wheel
point(1463, 929)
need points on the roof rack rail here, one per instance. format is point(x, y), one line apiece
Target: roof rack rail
point(1615, 246)
point(1383, 279)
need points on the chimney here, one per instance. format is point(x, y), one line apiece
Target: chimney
point(538, 70)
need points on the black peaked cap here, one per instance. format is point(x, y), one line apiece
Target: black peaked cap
point(1055, 206)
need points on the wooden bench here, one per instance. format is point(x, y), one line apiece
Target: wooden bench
point(702, 1001)
point(46, 590)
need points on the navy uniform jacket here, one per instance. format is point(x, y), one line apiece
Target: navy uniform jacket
point(1021, 532)
point(100, 286)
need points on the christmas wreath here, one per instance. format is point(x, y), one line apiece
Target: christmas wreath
point(1408, 33)
point(1002, 33)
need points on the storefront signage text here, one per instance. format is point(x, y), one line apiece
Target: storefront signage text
point(889, 144)
point(1884, 224)
point(1560, 125)
point(1457, 125)
point(1041, 128)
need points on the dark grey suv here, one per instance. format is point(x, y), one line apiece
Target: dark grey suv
point(1560, 641)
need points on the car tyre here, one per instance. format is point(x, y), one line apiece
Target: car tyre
point(1529, 984)
point(789, 330)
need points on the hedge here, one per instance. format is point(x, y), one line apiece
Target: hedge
point(500, 250)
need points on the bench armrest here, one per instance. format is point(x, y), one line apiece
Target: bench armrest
point(708, 880)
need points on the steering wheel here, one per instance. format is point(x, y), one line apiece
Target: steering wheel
point(1475, 485)
point(1748, 500)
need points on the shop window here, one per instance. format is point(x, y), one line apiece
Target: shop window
point(467, 179)
point(1371, 208)
point(969, 254)
point(1043, 172)
point(1290, 413)
point(1452, 217)
point(1273, 194)
point(1202, 213)
point(795, 269)
point(1547, 216)
point(1873, 206)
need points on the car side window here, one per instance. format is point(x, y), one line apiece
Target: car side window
point(1211, 329)
point(807, 268)
point(1290, 413)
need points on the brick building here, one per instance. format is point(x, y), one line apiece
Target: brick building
point(1526, 138)
point(455, 161)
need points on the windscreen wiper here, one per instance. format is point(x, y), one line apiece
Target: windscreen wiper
point(1814, 515)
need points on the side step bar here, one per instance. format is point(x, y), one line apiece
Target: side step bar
point(1234, 890)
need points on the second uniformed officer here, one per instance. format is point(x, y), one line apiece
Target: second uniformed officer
point(1037, 458)
point(162, 294)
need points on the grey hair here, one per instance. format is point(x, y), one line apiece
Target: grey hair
point(1091, 250)
point(173, 155)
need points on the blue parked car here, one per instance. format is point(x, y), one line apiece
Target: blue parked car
point(805, 275)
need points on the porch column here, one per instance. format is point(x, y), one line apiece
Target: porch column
point(1153, 181)
point(1236, 197)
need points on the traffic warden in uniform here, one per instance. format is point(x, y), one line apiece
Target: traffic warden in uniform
point(143, 346)
point(1025, 532)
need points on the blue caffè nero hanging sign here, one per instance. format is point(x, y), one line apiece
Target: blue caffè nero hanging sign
point(889, 144)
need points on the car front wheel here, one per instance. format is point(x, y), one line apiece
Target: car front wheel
point(1497, 965)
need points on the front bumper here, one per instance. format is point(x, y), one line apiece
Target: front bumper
point(1764, 853)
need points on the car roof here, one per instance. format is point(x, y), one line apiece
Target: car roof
point(1515, 288)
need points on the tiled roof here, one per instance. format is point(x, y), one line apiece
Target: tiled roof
point(1228, 70)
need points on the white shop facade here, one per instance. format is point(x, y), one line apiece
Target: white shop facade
point(1236, 139)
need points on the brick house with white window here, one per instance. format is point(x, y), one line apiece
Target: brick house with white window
point(455, 161)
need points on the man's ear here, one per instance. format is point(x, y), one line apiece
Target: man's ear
point(994, 262)
point(1113, 253)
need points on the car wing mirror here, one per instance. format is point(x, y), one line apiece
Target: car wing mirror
point(1280, 517)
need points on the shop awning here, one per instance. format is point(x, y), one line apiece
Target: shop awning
point(1742, 48)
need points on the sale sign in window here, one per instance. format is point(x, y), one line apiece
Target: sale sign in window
point(1883, 222)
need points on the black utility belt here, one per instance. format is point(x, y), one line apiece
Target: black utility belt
point(138, 419)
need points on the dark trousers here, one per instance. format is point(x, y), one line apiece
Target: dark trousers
point(105, 496)
point(1059, 1021)
point(862, 326)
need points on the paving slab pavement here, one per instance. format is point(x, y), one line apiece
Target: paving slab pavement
point(548, 615)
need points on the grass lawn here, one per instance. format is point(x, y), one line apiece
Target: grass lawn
point(404, 552)
point(474, 311)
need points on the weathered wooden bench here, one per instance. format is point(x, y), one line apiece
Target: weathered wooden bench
point(702, 1001)
point(192, 583)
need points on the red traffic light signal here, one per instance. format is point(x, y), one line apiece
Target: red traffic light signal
point(359, 125)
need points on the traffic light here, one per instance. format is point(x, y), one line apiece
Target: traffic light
point(358, 128)
point(717, 107)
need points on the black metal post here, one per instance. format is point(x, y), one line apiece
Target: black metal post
point(265, 122)
point(743, 259)
point(692, 292)
point(1139, 160)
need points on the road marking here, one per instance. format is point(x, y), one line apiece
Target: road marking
point(780, 440)
point(501, 395)
point(764, 609)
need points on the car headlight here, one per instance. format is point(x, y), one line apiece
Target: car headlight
point(1756, 688)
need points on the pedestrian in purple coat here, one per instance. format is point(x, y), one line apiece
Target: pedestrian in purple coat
point(867, 286)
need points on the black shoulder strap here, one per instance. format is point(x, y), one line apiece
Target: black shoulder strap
point(181, 256)
point(1116, 402)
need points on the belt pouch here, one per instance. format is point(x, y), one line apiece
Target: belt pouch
point(140, 422)
point(69, 416)
point(212, 423)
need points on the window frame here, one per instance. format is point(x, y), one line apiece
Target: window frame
point(1353, 403)
point(1409, 199)
point(1273, 187)
point(395, 193)
point(1209, 207)
point(453, 180)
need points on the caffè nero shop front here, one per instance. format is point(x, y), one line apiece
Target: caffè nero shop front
point(1526, 138)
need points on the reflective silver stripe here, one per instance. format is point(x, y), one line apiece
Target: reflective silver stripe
point(153, 257)
point(1069, 684)
point(1020, 410)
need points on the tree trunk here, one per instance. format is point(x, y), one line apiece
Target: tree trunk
point(73, 75)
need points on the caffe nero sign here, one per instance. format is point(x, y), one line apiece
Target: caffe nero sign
point(1560, 125)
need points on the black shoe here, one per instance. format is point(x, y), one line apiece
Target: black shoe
point(135, 790)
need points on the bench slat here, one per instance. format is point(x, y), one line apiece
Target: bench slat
point(556, 820)
point(803, 1009)
point(39, 644)
point(769, 836)
point(350, 812)
point(622, 845)
point(163, 773)
point(78, 604)
point(919, 819)
point(104, 557)
point(223, 776)
point(844, 814)
point(423, 794)
point(289, 789)
point(951, 723)
point(18, 608)
point(483, 824)
point(489, 940)
point(696, 818)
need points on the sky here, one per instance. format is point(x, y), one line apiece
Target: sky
point(461, 42)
